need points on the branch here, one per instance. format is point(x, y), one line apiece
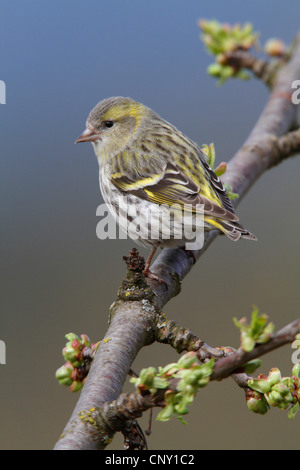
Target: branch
point(133, 322)
point(225, 366)
point(128, 406)
point(261, 68)
point(289, 144)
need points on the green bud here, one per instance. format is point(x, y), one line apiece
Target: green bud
point(227, 71)
point(229, 191)
point(85, 340)
point(69, 353)
point(289, 382)
point(166, 413)
point(221, 169)
point(228, 349)
point(251, 366)
point(274, 376)
point(215, 70)
point(158, 382)
point(147, 376)
point(71, 337)
point(63, 375)
point(260, 385)
point(294, 410)
point(76, 386)
point(266, 333)
point(170, 397)
point(169, 369)
point(296, 370)
point(229, 44)
point(210, 152)
point(247, 342)
point(281, 388)
point(257, 403)
point(181, 408)
point(73, 350)
point(187, 360)
point(257, 332)
point(273, 398)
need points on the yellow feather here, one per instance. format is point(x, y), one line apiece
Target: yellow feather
point(129, 109)
point(139, 184)
point(214, 223)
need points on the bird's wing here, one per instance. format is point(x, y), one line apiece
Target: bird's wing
point(170, 185)
point(216, 182)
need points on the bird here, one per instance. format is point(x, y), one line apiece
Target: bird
point(151, 172)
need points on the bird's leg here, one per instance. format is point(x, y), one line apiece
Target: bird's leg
point(148, 262)
point(148, 273)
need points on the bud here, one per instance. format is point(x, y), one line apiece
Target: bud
point(274, 376)
point(275, 48)
point(281, 388)
point(247, 341)
point(296, 370)
point(63, 374)
point(294, 410)
point(76, 386)
point(228, 349)
point(187, 360)
point(215, 70)
point(256, 402)
point(221, 169)
point(261, 385)
point(166, 413)
point(251, 366)
point(281, 400)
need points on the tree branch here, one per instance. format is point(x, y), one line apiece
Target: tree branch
point(289, 144)
point(133, 322)
point(129, 406)
point(261, 68)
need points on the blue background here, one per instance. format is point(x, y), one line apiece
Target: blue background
point(58, 59)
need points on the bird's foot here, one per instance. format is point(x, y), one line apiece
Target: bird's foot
point(150, 275)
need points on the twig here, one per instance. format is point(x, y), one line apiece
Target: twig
point(226, 365)
point(261, 68)
point(289, 144)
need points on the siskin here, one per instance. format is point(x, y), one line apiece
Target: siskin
point(152, 173)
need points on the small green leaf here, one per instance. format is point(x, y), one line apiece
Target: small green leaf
point(257, 332)
point(251, 366)
point(294, 409)
point(166, 413)
point(259, 385)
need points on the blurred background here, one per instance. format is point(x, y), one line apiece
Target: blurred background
point(58, 59)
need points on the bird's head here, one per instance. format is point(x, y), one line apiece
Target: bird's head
point(113, 124)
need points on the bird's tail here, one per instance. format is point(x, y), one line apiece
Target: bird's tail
point(235, 231)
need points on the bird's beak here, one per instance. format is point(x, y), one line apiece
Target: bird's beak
point(89, 135)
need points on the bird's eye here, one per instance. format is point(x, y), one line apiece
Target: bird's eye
point(108, 123)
